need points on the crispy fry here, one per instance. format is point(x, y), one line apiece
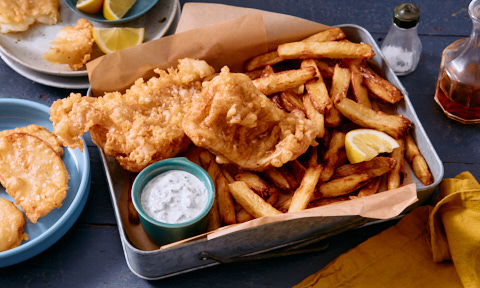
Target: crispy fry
point(273, 195)
point(277, 178)
point(379, 86)
point(263, 60)
point(373, 168)
point(296, 168)
point(250, 201)
point(395, 177)
point(337, 143)
point(291, 101)
point(304, 193)
point(360, 92)
point(214, 220)
point(369, 189)
point(325, 68)
point(341, 186)
point(284, 80)
point(317, 91)
point(254, 182)
point(205, 157)
point(243, 216)
point(395, 125)
point(327, 49)
point(331, 34)
point(327, 201)
point(417, 161)
point(267, 71)
point(340, 82)
point(226, 207)
point(313, 114)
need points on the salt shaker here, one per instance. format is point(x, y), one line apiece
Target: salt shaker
point(402, 46)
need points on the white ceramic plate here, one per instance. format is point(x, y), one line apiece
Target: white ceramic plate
point(27, 47)
point(80, 82)
point(50, 228)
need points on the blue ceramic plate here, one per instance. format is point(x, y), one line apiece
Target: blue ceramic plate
point(48, 229)
point(138, 9)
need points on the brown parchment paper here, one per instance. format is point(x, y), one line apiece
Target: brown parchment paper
point(226, 35)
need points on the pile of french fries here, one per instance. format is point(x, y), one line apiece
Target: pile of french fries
point(330, 81)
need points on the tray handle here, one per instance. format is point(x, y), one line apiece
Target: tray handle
point(295, 249)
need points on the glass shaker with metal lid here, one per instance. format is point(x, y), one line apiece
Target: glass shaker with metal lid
point(402, 46)
point(458, 85)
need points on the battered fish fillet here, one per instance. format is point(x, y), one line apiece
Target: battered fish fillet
point(12, 223)
point(240, 125)
point(18, 15)
point(139, 127)
point(33, 174)
point(72, 46)
point(42, 133)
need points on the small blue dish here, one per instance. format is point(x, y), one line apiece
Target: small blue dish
point(138, 9)
point(165, 233)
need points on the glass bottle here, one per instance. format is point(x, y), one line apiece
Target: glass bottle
point(458, 85)
point(402, 46)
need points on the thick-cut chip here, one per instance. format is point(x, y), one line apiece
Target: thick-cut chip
point(396, 175)
point(374, 168)
point(291, 101)
point(360, 92)
point(341, 186)
point(337, 143)
point(327, 49)
point(317, 90)
point(331, 34)
point(416, 159)
point(304, 193)
point(250, 201)
point(284, 80)
point(42, 133)
point(33, 174)
point(314, 115)
point(263, 60)
point(394, 125)
point(379, 86)
point(12, 223)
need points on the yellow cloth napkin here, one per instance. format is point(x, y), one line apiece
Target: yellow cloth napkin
point(430, 247)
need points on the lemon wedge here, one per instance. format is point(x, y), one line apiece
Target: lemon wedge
point(89, 6)
point(114, 39)
point(365, 144)
point(116, 9)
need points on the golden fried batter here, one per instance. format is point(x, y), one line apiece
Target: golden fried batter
point(139, 127)
point(12, 223)
point(18, 15)
point(72, 46)
point(33, 174)
point(42, 133)
point(239, 124)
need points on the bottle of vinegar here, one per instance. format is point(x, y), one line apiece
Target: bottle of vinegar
point(458, 85)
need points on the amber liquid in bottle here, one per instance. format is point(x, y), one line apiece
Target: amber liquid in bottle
point(459, 101)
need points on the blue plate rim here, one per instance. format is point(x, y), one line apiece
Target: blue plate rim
point(27, 250)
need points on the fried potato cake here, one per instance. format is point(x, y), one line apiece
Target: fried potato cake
point(139, 127)
point(33, 174)
point(72, 45)
point(18, 15)
point(42, 133)
point(240, 125)
point(12, 223)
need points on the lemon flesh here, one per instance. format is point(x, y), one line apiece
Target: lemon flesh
point(89, 6)
point(114, 39)
point(365, 144)
point(116, 9)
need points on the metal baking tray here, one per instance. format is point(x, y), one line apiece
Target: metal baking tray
point(268, 239)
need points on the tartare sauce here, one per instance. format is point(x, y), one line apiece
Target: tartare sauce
point(174, 197)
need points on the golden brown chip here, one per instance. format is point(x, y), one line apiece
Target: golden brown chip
point(42, 133)
point(12, 223)
point(33, 174)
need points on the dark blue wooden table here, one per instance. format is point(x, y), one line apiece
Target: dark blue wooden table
point(91, 255)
